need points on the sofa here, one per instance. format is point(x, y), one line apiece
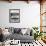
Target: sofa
point(22, 34)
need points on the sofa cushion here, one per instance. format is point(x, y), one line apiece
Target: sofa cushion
point(22, 38)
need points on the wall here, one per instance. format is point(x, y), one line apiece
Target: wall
point(29, 14)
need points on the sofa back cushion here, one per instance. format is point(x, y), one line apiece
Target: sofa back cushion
point(22, 31)
point(11, 30)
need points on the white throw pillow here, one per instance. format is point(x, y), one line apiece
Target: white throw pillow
point(5, 32)
point(23, 31)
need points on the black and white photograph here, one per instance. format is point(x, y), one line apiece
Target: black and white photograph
point(14, 15)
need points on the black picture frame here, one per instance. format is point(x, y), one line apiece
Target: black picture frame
point(14, 15)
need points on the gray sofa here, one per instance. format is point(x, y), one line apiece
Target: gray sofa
point(17, 35)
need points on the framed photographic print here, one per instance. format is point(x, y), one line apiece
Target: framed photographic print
point(14, 15)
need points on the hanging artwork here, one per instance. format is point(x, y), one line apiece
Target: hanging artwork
point(14, 15)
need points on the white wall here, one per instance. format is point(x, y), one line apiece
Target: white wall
point(29, 14)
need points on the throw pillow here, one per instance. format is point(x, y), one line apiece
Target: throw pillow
point(17, 30)
point(23, 31)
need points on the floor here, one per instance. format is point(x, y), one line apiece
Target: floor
point(35, 43)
